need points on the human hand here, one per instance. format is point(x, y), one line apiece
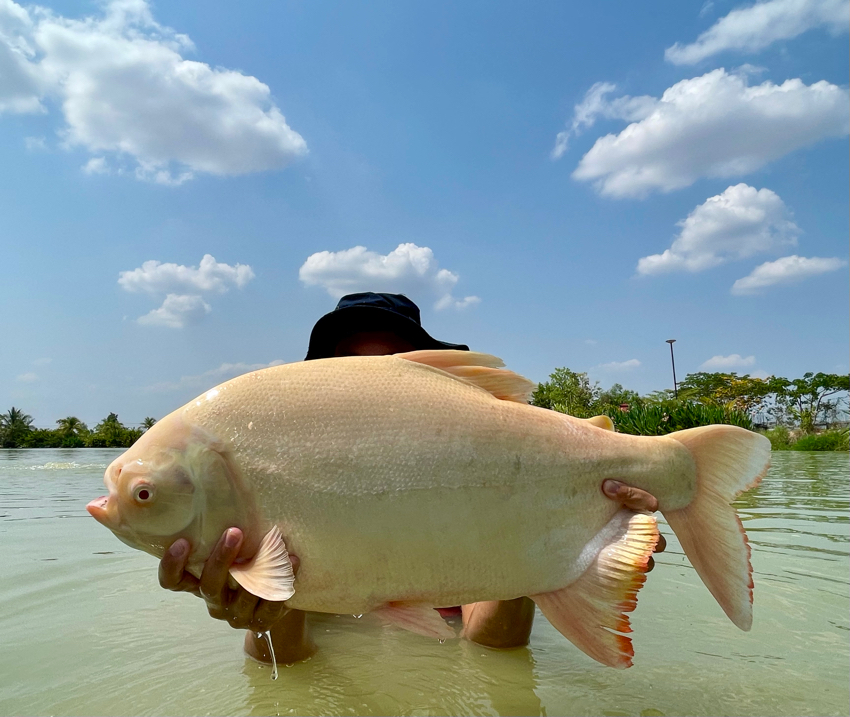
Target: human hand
point(236, 606)
point(637, 500)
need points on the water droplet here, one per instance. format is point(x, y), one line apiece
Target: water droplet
point(268, 637)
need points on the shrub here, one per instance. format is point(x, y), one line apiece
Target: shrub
point(669, 416)
point(780, 438)
point(835, 440)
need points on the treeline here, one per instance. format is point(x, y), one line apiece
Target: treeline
point(792, 412)
point(803, 414)
point(17, 431)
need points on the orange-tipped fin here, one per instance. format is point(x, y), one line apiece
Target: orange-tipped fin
point(416, 617)
point(590, 610)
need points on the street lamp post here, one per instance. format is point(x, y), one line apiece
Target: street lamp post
point(673, 361)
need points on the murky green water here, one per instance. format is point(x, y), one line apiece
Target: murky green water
point(85, 629)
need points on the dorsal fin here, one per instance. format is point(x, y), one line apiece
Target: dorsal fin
point(482, 370)
point(601, 421)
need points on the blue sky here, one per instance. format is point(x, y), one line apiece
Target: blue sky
point(558, 184)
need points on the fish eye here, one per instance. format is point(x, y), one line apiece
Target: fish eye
point(143, 493)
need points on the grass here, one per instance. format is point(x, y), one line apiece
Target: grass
point(782, 439)
point(835, 440)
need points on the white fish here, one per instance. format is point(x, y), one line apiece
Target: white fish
point(424, 480)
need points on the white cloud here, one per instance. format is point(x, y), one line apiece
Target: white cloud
point(408, 269)
point(740, 222)
point(183, 287)
point(595, 105)
point(591, 342)
point(752, 28)
point(42, 361)
point(27, 377)
point(619, 365)
point(715, 125)
point(720, 363)
point(21, 85)
point(177, 311)
point(211, 276)
point(125, 88)
point(35, 144)
point(222, 373)
point(787, 270)
point(96, 165)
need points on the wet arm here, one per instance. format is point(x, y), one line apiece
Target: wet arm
point(501, 624)
point(237, 606)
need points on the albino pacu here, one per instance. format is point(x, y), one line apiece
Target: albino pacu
point(425, 480)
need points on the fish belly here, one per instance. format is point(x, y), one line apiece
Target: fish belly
point(395, 481)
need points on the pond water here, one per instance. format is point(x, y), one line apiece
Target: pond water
point(85, 628)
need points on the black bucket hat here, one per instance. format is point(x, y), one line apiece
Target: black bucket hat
point(369, 311)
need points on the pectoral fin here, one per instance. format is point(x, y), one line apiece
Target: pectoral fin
point(588, 611)
point(269, 574)
point(416, 617)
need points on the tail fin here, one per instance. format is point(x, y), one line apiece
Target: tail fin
point(729, 460)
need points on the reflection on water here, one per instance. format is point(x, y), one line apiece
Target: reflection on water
point(84, 628)
point(404, 676)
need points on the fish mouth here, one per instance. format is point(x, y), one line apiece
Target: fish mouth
point(99, 510)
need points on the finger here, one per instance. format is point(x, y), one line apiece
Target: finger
point(214, 576)
point(240, 612)
point(172, 568)
point(217, 611)
point(631, 497)
point(267, 614)
point(661, 545)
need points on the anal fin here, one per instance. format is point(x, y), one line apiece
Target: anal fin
point(592, 610)
point(269, 574)
point(416, 617)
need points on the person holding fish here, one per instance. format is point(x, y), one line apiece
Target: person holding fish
point(365, 324)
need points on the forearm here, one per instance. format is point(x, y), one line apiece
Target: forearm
point(500, 624)
point(290, 639)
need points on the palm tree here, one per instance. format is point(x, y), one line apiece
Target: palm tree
point(14, 427)
point(109, 433)
point(147, 424)
point(71, 426)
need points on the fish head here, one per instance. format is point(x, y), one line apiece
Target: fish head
point(176, 481)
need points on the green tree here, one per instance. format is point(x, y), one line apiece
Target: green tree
point(661, 396)
point(568, 392)
point(617, 396)
point(109, 433)
point(43, 438)
point(15, 427)
point(72, 432)
point(807, 399)
point(148, 423)
point(741, 393)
